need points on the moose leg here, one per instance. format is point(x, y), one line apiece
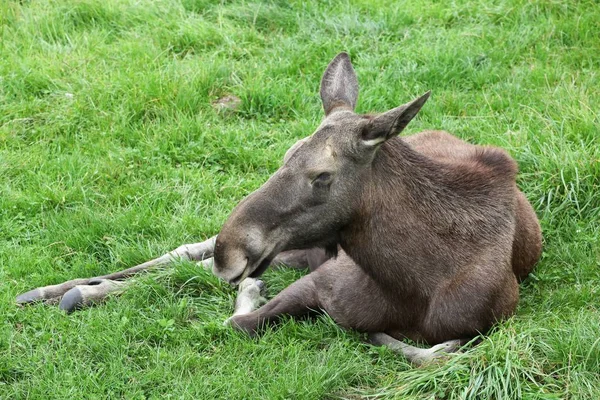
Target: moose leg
point(416, 355)
point(250, 297)
point(292, 258)
point(98, 289)
point(251, 290)
point(300, 298)
point(311, 258)
point(94, 291)
point(194, 252)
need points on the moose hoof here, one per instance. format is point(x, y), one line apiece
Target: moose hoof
point(30, 297)
point(251, 285)
point(261, 285)
point(250, 296)
point(72, 300)
point(436, 353)
point(95, 291)
point(450, 346)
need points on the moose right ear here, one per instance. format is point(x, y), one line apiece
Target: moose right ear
point(339, 86)
point(391, 123)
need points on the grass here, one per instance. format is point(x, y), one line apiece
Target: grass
point(111, 153)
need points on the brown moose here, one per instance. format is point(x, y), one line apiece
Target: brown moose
point(422, 237)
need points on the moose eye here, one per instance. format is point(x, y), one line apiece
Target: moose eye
point(323, 178)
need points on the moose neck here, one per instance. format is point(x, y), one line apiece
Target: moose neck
point(391, 237)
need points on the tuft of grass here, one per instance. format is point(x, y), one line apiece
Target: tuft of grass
point(111, 153)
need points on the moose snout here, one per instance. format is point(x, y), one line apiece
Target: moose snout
point(234, 273)
point(230, 264)
point(238, 255)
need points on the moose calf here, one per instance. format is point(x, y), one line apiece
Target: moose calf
point(431, 233)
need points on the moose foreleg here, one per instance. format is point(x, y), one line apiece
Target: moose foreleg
point(298, 299)
point(94, 291)
point(250, 296)
point(99, 287)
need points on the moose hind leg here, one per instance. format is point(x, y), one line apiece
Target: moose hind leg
point(471, 304)
point(416, 355)
point(298, 299)
point(306, 258)
point(527, 244)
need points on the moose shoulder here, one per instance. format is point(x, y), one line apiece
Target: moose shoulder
point(433, 231)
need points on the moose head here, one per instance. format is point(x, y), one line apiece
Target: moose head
point(317, 190)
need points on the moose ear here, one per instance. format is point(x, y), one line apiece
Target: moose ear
point(339, 86)
point(391, 123)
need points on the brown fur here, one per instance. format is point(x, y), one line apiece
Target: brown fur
point(431, 233)
point(434, 231)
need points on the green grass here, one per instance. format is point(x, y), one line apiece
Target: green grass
point(111, 153)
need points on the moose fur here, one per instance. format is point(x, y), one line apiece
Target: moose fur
point(422, 237)
point(433, 231)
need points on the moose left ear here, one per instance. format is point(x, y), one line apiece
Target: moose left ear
point(339, 86)
point(391, 123)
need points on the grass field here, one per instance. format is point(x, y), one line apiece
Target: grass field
point(112, 153)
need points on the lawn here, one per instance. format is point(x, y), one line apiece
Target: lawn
point(112, 152)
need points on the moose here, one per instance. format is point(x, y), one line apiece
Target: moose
point(423, 237)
